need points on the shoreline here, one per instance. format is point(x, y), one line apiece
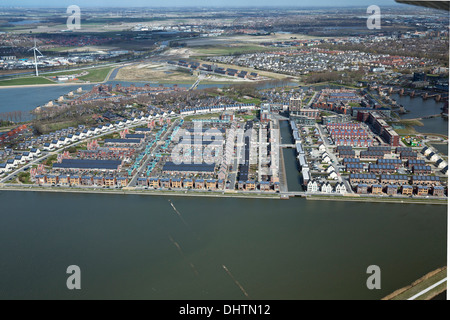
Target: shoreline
point(271, 196)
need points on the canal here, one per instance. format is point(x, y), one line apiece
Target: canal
point(293, 176)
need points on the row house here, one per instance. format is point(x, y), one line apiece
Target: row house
point(371, 155)
point(357, 178)
point(397, 163)
point(406, 190)
point(426, 180)
point(394, 179)
point(408, 155)
point(350, 160)
point(362, 188)
point(354, 167)
point(382, 168)
point(422, 190)
point(346, 154)
point(414, 162)
point(420, 169)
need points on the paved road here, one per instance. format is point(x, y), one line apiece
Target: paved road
point(144, 165)
point(335, 160)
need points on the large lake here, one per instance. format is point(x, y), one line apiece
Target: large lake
point(137, 247)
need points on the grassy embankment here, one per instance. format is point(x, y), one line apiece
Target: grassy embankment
point(26, 81)
point(95, 75)
point(421, 284)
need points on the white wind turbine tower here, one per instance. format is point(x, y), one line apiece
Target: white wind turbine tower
point(35, 56)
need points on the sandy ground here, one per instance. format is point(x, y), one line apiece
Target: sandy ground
point(153, 72)
point(167, 73)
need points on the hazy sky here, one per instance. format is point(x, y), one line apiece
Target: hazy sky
point(167, 3)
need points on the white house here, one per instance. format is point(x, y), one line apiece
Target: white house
point(3, 168)
point(35, 152)
point(312, 186)
point(27, 156)
point(434, 158)
point(333, 175)
point(442, 165)
point(326, 188)
point(48, 146)
point(340, 188)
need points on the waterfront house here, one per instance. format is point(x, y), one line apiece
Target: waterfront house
point(110, 181)
point(199, 184)
point(87, 181)
point(312, 186)
point(188, 183)
point(99, 181)
point(153, 183)
point(250, 185)
point(340, 188)
point(438, 191)
point(177, 183)
point(64, 179)
point(52, 179)
point(75, 180)
point(165, 183)
point(264, 186)
point(211, 184)
point(391, 189)
point(142, 182)
point(422, 190)
point(122, 181)
point(361, 188)
point(406, 190)
point(326, 188)
point(40, 179)
point(377, 189)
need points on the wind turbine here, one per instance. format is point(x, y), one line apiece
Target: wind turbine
point(35, 56)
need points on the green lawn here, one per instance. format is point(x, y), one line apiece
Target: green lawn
point(25, 81)
point(97, 75)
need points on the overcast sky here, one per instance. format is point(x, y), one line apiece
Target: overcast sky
point(206, 3)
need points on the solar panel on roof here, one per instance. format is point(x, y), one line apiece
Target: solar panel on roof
point(88, 164)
